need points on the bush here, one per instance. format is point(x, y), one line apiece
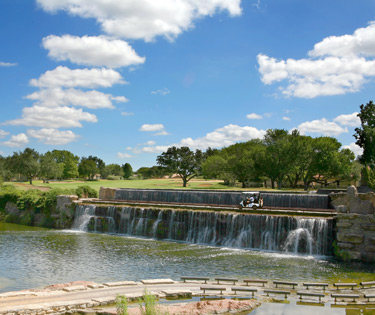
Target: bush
point(8, 193)
point(114, 177)
point(27, 219)
point(86, 192)
point(12, 218)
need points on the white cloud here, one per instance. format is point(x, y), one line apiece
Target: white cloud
point(123, 155)
point(92, 51)
point(17, 141)
point(154, 127)
point(60, 117)
point(7, 64)
point(83, 78)
point(143, 19)
point(161, 133)
point(150, 142)
point(219, 138)
point(286, 118)
point(53, 136)
point(361, 43)
point(254, 116)
point(322, 126)
point(127, 114)
point(335, 71)
point(163, 92)
point(54, 97)
point(351, 120)
point(355, 148)
point(3, 133)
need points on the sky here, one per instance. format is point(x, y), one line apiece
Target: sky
point(124, 80)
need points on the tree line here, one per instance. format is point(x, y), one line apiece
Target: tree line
point(58, 164)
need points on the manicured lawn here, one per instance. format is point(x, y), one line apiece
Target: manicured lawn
point(148, 183)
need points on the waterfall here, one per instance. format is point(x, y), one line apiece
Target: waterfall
point(311, 236)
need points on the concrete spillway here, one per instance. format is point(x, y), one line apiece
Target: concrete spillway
point(229, 198)
point(297, 235)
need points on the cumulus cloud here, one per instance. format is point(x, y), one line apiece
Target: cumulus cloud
point(254, 116)
point(322, 127)
point(123, 155)
point(92, 51)
point(53, 136)
point(361, 43)
point(3, 133)
point(17, 141)
point(219, 138)
point(150, 127)
point(54, 97)
point(355, 148)
point(82, 78)
point(7, 64)
point(47, 117)
point(351, 120)
point(163, 92)
point(330, 70)
point(143, 19)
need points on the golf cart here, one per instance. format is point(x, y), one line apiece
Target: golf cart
point(252, 200)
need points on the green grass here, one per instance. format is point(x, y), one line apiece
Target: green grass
point(141, 184)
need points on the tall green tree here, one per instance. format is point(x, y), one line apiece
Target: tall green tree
point(69, 161)
point(49, 168)
point(365, 136)
point(112, 169)
point(87, 168)
point(182, 161)
point(128, 170)
point(26, 163)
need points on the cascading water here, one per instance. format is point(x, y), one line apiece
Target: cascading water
point(311, 236)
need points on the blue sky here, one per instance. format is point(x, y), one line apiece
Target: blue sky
point(125, 79)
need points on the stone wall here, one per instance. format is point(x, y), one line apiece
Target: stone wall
point(65, 208)
point(355, 227)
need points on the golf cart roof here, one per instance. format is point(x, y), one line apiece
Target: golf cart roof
point(251, 192)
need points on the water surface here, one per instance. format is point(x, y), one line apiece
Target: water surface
point(34, 258)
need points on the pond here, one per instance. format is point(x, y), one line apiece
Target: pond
point(33, 258)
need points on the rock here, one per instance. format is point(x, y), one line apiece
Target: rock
point(158, 281)
point(119, 283)
point(350, 238)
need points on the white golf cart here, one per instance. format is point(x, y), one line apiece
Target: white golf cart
point(251, 199)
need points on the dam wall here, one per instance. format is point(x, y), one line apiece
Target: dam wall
point(289, 234)
point(355, 225)
point(209, 197)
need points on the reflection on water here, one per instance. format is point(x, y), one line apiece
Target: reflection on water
point(36, 258)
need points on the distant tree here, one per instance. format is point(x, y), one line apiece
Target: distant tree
point(151, 172)
point(278, 158)
point(112, 169)
point(182, 161)
point(100, 165)
point(26, 163)
point(5, 172)
point(128, 170)
point(69, 161)
point(87, 168)
point(49, 168)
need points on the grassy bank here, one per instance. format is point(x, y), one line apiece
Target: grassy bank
point(148, 183)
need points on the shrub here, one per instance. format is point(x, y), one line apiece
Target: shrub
point(122, 305)
point(86, 192)
point(12, 218)
point(8, 193)
point(27, 219)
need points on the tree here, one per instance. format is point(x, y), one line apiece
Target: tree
point(366, 140)
point(128, 170)
point(182, 161)
point(87, 168)
point(365, 135)
point(49, 168)
point(278, 157)
point(112, 169)
point(151, 172)
point(100, 165)
point(26, 163)
point(69, 161)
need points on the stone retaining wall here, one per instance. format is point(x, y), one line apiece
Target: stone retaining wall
point(355, 227)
